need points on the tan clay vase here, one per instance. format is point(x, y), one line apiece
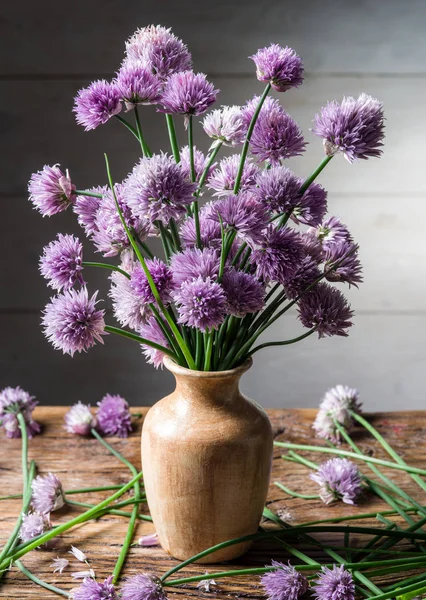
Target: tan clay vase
point(206, 460)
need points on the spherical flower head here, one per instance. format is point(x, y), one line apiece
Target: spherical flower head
point(159, 50)
point(210, 232)
point(331, 231)
point(278, 189)
point(278, 255)
point(33, 525)
point(276, 136)
point(61, 263)
point(334, 584)
point(187, 93)
point(14, 401)
point(241, 213)
point(129, 308)
point(284, 583)
point(113, 416)
point(48, 494)
point(157, 189)
point(244, 293)
point(86, 208)
point(72, 323)
point(337, 405)
point(96, 104)
point(201, 304)
point(200, 163)
point(281, 67)
point(311, 207)
point(269, 105)
point(193, 263)
point(305, 275)
point(326, 309)
point(92, 590)
point(162, 277)
point(222, 179)
point(51, 191)
point(152, 331)
point(339, 479)
point(138, 85)
point(226, 125)
point(354, 127)
point(349, 268)
point(143, 586)
point(79, 419)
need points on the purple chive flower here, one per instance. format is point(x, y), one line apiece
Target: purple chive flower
point(222, 179)
point(59, 564)
point(159, 50)
point(33, 525)
point(193, 263)
point(14, 401)
point(334, 584)
point(278, 189)
point(61, 262)
point(276, 136)
point(201, 303)
point(241, 213)
point(337, 405)
point(152, 331)
point(331, 232)
point(51, 191)
point(187, 93)
point(163, 279)
point(284, 583)
point(48, 494)
point(244, 293)
point(200, 163)
point(312, 245)
point(79, 419)
point(339, 479)
point(281, 67)
point(143, 586)
point(278, 255)
point(92, 590)
point(210, 232)
point(72, 323)
point(86, 208)
point(147, 541)
point(297, 282)
point(269, 105)
point(138, 85)
point(226, 125)
point(326, 309)
point(354, 127)
point(129, 308)
point(96, 104)
point(157, 189)
point(310, 209)
point(113, 416)
point(349, 269)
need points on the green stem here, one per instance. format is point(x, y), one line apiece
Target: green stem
point(144, 147)
point(138, 338)
point(400, 592)
point(128, 126)
point(209, 350)
point(111, 511)
point(210, 161)
point(368, 459)
point(248, 138)
point(89, 514)
point(87, 193)
point(199, 346)
point(40, 582)
point(106, 266)
point(172, 136)
point(282, 343)
point(175, 235)
point(191, 149)
point(295, 494)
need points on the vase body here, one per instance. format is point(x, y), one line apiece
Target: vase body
point(206, 459)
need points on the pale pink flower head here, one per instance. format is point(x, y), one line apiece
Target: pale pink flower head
point(33, 525)
point(79, 419)
point(48, 494)
point(51, 190)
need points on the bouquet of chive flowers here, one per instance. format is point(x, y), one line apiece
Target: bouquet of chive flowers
point(244, 238)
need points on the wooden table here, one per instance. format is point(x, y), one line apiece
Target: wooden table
point(83, 462)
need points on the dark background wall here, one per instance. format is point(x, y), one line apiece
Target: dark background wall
point(48, 50)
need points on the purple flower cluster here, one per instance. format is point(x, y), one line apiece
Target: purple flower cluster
point(138, 85)
point(161, 275)
point(222, 179)
point(187, 93)
point(143, 586)
point(152, 331)
point(33, 525)
point(281, 67)
point(201, 303)
point(326, 309)
point(96, 104)
point(93, 590)
point(338, 479)
point(14, 401)
point(51, 191)
point(112, 417)
point(334, 584)
point(61, 262)
point(226, 125)
point(337, 405)
point(47, 494)
point(284, 583)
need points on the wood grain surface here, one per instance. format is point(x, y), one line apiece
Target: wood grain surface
point(83, 462)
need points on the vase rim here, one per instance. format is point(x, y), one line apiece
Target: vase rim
point(176, 369)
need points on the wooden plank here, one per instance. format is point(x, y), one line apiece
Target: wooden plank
point(384, 356)
point(83, 462)
point(341, 36)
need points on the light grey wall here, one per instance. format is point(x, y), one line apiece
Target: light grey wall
point(48, 50)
